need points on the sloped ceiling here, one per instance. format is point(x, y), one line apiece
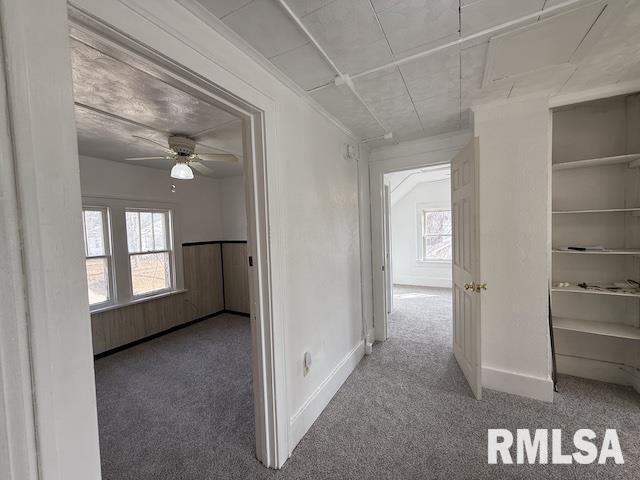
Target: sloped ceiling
point(430, 94)
point(403, 183)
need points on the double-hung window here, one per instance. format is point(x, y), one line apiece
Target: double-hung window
point(436, 235)
point(149, 242)
point(97, 247)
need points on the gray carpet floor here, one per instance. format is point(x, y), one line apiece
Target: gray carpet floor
point(180, 407)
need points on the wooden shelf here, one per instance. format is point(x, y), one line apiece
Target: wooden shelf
point(576, 289)
point(620, 251)
point(598, 162)
point(607, 210)
point(616, 330)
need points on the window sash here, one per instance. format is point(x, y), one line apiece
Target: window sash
point(167, 231)
point(168, 288)
point(429, 234)
point(107, 255)
point(168, 243)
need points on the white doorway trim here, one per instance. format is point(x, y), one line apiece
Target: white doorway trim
point(406, 156)
point(55, 355)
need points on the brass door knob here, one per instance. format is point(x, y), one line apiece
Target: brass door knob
point(475, 287)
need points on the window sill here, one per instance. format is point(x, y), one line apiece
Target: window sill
point(135, 301)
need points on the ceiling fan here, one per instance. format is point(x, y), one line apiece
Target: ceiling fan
point(182, 150)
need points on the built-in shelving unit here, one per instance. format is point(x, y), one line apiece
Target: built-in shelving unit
point(607, 329)
point(613, 251)
point(604, 210)
point(630, 159)
point(596, 212)
point(594, 291)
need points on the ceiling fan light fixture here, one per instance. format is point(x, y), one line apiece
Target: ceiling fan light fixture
point(182, 171)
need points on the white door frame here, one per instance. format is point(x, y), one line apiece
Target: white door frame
point(388, 246)
point(48, 357)
point(423, 153)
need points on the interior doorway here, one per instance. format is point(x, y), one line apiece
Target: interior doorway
point(159, 259)
point(418, 233)
point(443, 246)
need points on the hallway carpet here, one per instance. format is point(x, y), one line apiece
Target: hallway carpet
point(180, 408)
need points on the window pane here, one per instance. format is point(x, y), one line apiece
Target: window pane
point(159, 231)
point(150, 272)
point(98, 280)
point(146, 231)
point(94, 232)
point(438, 223)
point(133, 232)
point(437, 247)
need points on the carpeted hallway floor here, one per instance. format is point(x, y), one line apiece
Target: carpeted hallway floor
point(180, 408)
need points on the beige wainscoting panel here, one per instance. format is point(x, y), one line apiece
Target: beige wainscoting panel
point(236, 277)
point(120, 326)
point(202, 266)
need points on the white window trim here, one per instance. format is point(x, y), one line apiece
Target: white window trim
point(421, 207)
point(107, 235)
point(171, 251)
point(123, 291)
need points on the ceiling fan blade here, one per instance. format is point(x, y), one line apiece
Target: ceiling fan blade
point(157, 144)
point(217, 157)
point(146, 158)
point(201, 168)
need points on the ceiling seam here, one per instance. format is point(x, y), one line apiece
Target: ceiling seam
point(328, 59)
point(236, 9)
point(474, 36)
point(289, 50)
point(211, 21)
point(413, 104)
point(589, 31)
point(543, 7)
point(319, 8)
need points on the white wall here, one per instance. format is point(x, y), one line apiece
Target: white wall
point(210, 209)
point(313, 202)
point(199, 200)
point(514, 242)
point(233, 211)
point(405, 227)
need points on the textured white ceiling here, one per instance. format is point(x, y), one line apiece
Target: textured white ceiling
point(115, 101)
point(432, 94)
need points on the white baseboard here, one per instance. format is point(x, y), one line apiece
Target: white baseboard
point(302, 420)
point(598, 370)
point(538, 388)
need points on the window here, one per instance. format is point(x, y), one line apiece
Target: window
point(149, 245)
point(97, 249)
point(436, 235)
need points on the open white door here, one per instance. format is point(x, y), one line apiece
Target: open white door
point(466, 264)
point(388, 267)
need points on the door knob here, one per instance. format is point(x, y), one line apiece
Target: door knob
point(476, 287)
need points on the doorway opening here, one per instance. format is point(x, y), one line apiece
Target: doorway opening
point(175, 234)
point(418, 233)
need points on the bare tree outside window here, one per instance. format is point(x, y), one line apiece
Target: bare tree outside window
point(436, 235)
point(149, 244)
